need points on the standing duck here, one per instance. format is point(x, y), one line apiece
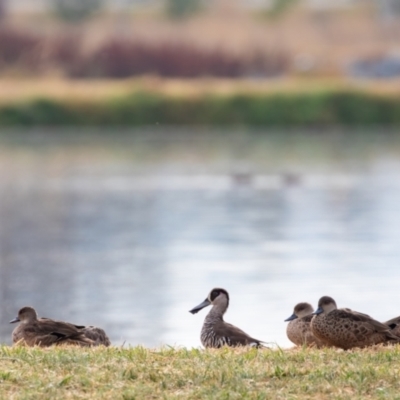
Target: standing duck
point(346, 329)
point(34, 331)
point(298, 329)
point(216, 332)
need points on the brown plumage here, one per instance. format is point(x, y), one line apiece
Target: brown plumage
point(96, 334)
point(34, 331)
point(216, 332)
point(298, 329)
point(394, 325)
point(346, 329)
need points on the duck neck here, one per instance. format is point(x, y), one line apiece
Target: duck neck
point(216, 313)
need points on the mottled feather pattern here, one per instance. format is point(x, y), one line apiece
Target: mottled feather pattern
point(346, 329)
point(299, 332)
point(298, 329)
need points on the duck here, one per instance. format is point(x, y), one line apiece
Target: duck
point(298, 329)
point(96, 334)
point(347, 329)
point(44, 332)
point(394, 325)
point(217, 333)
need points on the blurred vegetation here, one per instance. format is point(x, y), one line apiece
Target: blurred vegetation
point(279, 7)
point(20, 48)
point(307, 40)
point(119, 57)
point(146, 108)
point(182, 8)
point(3, 10)
point(75, 10)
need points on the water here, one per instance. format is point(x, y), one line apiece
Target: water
point(130, 230)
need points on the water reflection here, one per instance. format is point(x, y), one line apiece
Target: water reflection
point(129, 233)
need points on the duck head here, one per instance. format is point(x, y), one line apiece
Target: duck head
point(217, 297)
point(25, 315)
point(301, 310)
point(325, 305)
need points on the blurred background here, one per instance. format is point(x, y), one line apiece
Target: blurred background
point(151, 150)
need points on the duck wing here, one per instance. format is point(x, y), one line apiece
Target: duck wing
point(233, 336)
point(49, 319)
point(46, 332)
point(97, 335)
point(366, 321)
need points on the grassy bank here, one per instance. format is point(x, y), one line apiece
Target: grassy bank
point(319, 108)
point(139, 373)
point(150, 101)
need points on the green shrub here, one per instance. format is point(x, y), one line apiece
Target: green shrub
point(182, 8)
point(76, 10)
point(307, 109)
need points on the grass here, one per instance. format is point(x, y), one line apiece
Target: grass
point(333, 108)
point(140, 373)
point(199, 102)
point(19, 90)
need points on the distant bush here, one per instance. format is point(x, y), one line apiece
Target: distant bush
point(76, 10)
point(182, 8)
point(20, 49)
point(121, 58)
point(313, 109)
point(66, 53)
point(279, 7)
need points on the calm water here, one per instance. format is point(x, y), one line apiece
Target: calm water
point(129, 230)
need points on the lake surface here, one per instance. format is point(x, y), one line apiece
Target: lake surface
point(129, 230)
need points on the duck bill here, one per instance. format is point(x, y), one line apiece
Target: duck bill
point(291, 318)
point(13, 321)
point(319, 310)
point(196, 309)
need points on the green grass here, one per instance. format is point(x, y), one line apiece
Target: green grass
point(139, 373)
point(326, 108)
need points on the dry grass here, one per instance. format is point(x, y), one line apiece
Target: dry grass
point(15, 90)
point(138, 373)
